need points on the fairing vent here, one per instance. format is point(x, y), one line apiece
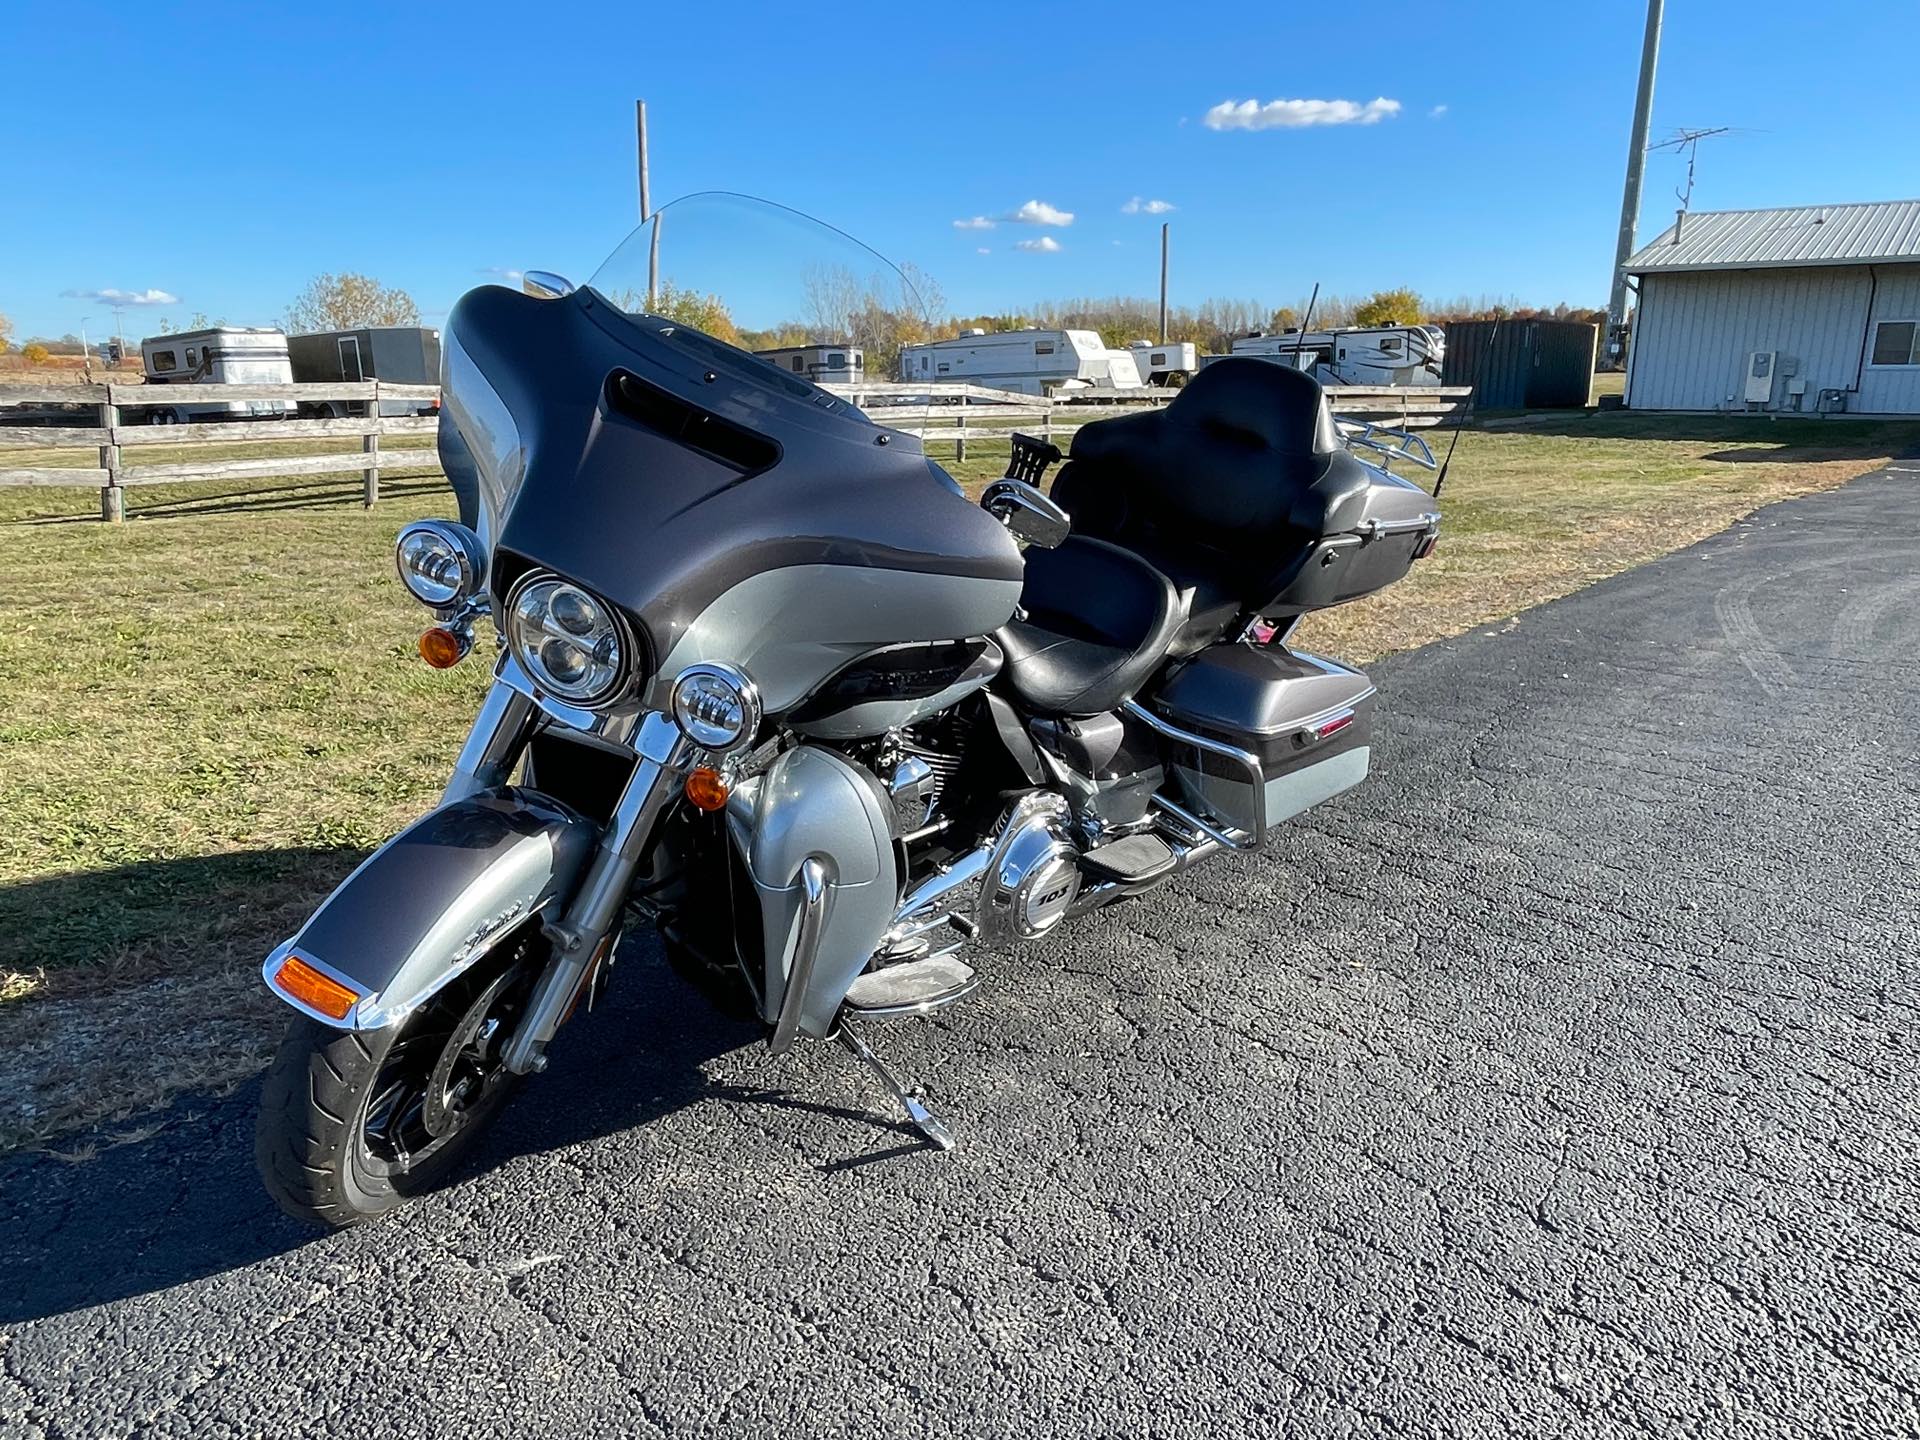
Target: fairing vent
point(666, 414)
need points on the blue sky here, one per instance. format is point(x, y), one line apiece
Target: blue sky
point(226, 154)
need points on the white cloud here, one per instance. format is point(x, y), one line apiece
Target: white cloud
point(983, 250)
point(1137, 206)
point(978, 222)
point(501, 272)
point(1297, 114)
point(1436, 112)
point(110, 296)
point(1038, 212)
point(1044, 245)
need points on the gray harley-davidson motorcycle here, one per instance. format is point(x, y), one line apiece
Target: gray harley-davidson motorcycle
point(769, 682)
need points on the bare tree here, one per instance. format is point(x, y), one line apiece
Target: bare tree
point(347, 301)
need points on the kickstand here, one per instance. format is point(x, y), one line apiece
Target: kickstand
point(924, 1120)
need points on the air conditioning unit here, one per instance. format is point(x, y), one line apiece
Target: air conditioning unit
point(1760, 368)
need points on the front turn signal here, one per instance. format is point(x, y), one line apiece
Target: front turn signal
point(443, 648)
point(707, 789)
point(313, 989)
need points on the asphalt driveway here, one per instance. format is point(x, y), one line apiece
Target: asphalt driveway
point(1560, 1081)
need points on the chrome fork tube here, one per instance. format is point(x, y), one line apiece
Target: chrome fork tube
point(493, 744)
point(665, 757)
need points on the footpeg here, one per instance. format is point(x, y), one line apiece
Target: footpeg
point(924, 1120)
point(1130, 860)
point(912, 988)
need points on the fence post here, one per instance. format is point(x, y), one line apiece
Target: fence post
point(370, 446)
point(960, 440)
point(113, 500)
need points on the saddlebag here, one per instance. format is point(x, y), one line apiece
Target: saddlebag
point(1308, 720)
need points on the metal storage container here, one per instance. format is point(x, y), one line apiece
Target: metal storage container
point(1522, 364)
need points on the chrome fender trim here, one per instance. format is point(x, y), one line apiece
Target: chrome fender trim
point(437, 897)
point(816, 833)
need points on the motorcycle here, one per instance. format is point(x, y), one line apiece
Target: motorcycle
point(771, 684)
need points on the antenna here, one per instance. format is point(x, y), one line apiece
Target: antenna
point(1688, 141)
point(1479, 374)
point(1306, 324)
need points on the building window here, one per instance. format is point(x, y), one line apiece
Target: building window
point(837, 361)
point(1894, 342)
point(163, 361)
point(1042, 348)
point(799, 364)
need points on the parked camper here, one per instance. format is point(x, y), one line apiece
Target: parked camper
point(404, 354)
point(1169, 365)
point(1029, 362)
point(223, 355)
point(1356, 355)
point(822, 364)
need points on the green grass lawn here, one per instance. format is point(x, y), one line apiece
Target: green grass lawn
point(209, 714)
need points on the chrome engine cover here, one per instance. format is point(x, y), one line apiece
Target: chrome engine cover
point(1033, 876)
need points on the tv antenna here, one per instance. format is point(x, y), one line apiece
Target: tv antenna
point(1687, 142)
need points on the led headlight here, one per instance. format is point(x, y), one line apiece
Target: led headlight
point(439, 562)
point(573, 645)
point(716, 706)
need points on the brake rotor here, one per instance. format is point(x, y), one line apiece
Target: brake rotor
point(441, 1108)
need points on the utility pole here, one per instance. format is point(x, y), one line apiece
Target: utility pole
point(1164, 227)
point(646, 204)
point(640, 126)
point(1636, 165)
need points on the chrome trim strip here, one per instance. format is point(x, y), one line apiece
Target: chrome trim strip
point(1429, 522)
point(814, 876)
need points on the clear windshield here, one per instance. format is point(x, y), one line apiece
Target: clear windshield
point(809, 299)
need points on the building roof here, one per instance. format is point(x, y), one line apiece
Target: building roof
point(1770, 239)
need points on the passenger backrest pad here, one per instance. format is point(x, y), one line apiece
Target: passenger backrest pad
point(1210, 487)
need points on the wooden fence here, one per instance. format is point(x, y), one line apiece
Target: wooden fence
point(956, 414)
point(113, 431)
point(943, 414)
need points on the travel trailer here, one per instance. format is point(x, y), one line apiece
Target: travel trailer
point(1029, 362)
point(1170, 365)
point(822, 364)
point(223, 355)
point(1359, 355)
point(404, 354)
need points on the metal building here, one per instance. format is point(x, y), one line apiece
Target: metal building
point(1815, 308)
point(1522, 364)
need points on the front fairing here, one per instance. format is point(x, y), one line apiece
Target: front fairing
point(658, 467)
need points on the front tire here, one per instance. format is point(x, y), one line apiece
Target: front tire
point(353, 1124)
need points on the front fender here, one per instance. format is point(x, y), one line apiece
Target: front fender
point(435, 898)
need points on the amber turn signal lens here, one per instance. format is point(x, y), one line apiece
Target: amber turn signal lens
point(312, 989)
point(443, 648)
point(707, 788)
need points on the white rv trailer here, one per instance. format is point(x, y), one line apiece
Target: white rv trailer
point(1029, 362)
point(1357, 355)
point(1171, 364)
point(822, 364)
point(223, 355)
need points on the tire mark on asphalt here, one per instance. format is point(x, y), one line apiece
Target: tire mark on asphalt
point(1854, 626)
point(1733, 608)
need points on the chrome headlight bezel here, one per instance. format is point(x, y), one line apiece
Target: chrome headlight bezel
point(610, 627)
point(456, 547)
point(716, 706)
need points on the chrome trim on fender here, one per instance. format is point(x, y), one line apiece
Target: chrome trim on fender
point(815, 876)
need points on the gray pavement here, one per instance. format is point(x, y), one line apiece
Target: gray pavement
point(1561, 1081)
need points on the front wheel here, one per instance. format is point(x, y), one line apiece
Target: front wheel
point(354, 1123)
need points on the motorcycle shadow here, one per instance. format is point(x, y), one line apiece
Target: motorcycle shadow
point(185, 1206)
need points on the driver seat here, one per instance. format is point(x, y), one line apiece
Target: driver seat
point(1098, 621)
